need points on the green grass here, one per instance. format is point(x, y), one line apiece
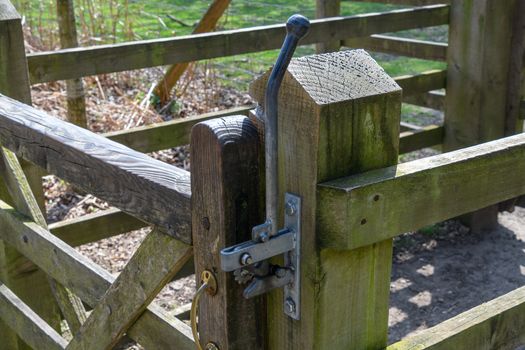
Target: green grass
point(109, 21)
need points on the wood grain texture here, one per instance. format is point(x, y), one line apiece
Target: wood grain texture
point(366, 208)
point(226, 204)
point(96, 226)
point(324, 9)
point(155, 262)
point(76, 104)
point(24, 201)
point(409, 2)
point(206, 24)
point(154, 191)
point(18, 274)
point(424, 82)
point(433, 99)
point(173, 133)
point(331, 107)
point(425, 50)
point(86, 279)
point(431, 135)
point(74, 63)
point(479, 57)
point(28, 325)
point(497, 324)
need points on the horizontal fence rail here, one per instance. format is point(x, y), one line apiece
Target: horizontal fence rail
point(86, 279)
point(426, 50)
point(154, 191)
point(371, 207)
point(497, 324)
point(79, 62)
point(408, 2)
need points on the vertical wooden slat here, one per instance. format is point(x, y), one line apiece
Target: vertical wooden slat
point(338, 115)
point(17, 273)
point(479, 64)
point(225, 206)
point(328, 8)
point(76, 104)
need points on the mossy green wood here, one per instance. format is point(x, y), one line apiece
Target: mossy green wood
point(366, 208)
point(86, 279)
point(498, 324)
point(479, 57)
point(324, 9)
point(78, 62)
point(429, 136)
point(423, 82)
point(433, 99)
point(155, 262)
point(338, 114)
point(36, 332)
point(24, 201)
point(17, 273)
point(173, 133)
point(426, 50)
point(76, 103)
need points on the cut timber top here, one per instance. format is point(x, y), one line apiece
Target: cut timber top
point(334, 77)
point(7, 11)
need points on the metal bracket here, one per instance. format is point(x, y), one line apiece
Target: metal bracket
point(287, 241)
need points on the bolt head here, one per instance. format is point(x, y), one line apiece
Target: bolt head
point(246, 259)
point(290, 208)
point(289, 305)
point(211, 346)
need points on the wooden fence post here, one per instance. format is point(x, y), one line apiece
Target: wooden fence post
point(328, 8)
point(76, 103)
point(338, 115)
point(226, 204)
point(479, 81)
point(20, 276)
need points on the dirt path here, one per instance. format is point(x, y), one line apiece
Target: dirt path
point(440, 273)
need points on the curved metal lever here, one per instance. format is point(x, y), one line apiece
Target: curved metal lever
point(296, 27)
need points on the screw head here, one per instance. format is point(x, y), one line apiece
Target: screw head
point(289, 306)
point(211, 346)
point(246, 259)
point(290, 208)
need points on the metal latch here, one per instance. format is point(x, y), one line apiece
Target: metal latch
point(249, 260)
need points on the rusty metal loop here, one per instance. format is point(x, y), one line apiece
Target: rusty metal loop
point(209, 285)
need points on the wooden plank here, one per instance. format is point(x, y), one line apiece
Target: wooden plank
point(154, 263)
point(479, 66)
point(433, 99)
point(427, 136)
point(226, 194)
point(426, 50)
point(86, 279)
point(19, 275)
point(27, 324)
point(123, 177)
point(93, 227)
point(324, 9)
point(206, 24)
point(522, 110)
point(423, 82)
point(497, 324)
point(173, 133)
point(363, 209)
point(335, 121)
point(74, 63)
point(24, 201)
point(408, 2)
point(67, 29)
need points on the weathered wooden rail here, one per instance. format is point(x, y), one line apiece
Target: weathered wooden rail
point(356, 198)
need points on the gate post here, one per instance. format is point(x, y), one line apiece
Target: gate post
point(481, 82)
point(21, 276)
point(338, 115)
point(226, 203)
